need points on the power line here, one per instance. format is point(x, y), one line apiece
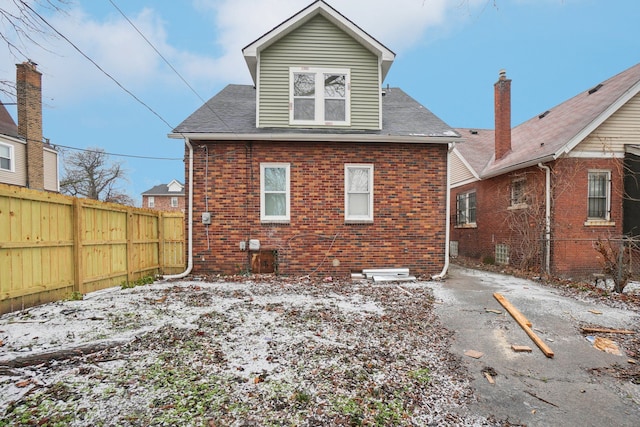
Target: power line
point(97, 66)
point(169, 64)
point(118, 155)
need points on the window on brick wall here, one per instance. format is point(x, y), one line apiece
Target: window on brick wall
point(275, 192)
point(6, 157)
point(174, 202)
point(599, 199)
point(151, 202)
point(466, 209)
point(319, 96)
point(519, 192)
point(358, 192)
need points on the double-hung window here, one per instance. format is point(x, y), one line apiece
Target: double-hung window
point(319, 96)
point(174, 202)
point(466, 209)
point(275, 198)
point(358, 192)
point(6, 157)
point(518, 192)
point(151, 202)
point(599, 195)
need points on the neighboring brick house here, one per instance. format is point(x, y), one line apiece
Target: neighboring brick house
point(26, 159)
point(541, 194)
point(165, 197)
point(316, 169)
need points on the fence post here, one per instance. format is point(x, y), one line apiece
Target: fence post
point(130, 246)
point(78, 285)
point(161, 241)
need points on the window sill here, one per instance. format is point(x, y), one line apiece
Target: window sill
point(519, 206)
point(599, 223)
point(471, 225)
point(358, 221)
point(275, 221)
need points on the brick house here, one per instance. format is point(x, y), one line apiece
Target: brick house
point(165, 197)
point(315, 169)
point(541, 194)
point(26, 158)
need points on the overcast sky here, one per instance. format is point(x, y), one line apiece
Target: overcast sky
point(449, 53)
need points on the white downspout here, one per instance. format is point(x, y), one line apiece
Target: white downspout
point(443, 273)
point(189, 218)
point(547, 219)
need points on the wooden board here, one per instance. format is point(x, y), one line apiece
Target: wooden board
point(607, 331)
point(524, 324)
point(511, 309)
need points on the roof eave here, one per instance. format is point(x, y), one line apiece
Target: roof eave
point(518, 166)
point(411, 139)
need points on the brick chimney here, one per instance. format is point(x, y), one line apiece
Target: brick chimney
point(29, 94)
point(502, 95)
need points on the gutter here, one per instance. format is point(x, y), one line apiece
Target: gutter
point(547, 218)
point(317, 137)
point(447, 232)
point(189, 218)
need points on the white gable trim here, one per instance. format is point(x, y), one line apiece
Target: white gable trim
point(591, 127)
point(251, 52)
point(465, 163)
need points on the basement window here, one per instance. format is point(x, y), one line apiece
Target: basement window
point(319, 96)
point(6, 158)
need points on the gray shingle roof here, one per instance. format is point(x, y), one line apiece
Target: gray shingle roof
point(233, 111)
point(162, 190)
point(548, 136)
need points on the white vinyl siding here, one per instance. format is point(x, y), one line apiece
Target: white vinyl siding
point(622, 128)
point(358, 192)
point(460, 173)
point(18, 175)
point(51, 178)
point(318, 44)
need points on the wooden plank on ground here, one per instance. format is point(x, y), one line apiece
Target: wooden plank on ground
point(511, 309)
point(607, 331)
point(522, 321)
point(521, 348)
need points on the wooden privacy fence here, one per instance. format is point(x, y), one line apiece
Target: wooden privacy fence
point(53, 245)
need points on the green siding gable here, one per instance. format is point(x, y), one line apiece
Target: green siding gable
point(318, 43)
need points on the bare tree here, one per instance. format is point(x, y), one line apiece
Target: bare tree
point(21, 26)
point(90, 174)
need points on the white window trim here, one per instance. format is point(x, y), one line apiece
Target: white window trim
point(12, 158)
point(596, 221)
point(319, 98)
point(174, 202)
point(275, 218)
point(358, 218)
point(151, 202)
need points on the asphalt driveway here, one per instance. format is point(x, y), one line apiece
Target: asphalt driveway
point(570, 389)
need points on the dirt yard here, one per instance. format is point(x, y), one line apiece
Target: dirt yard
point(239, 352)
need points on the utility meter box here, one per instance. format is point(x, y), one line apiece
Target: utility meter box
point(254, 245)
point(206, 218)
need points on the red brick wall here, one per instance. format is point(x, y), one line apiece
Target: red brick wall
point(409, 208)
point(572, 253)
point(163, 203)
